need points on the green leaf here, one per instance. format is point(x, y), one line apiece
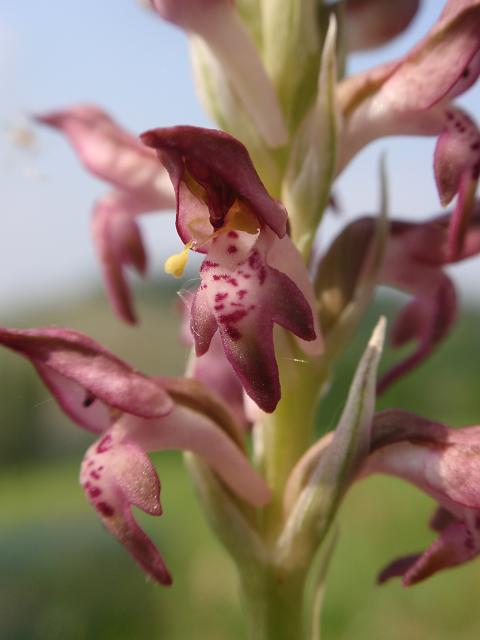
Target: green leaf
point(318, 502)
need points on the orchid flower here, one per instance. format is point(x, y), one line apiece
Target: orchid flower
point(412, 96)
point(440, 461)
point(134, 414)
point(252, 276)
point(415, 255)
point(140, 185)
point(443, 463)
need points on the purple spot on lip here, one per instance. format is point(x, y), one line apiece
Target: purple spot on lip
point(88, 400)
point(105, 509)
point(232, 248)
point(232, 234)
point(95, 475)
point(220, 296)
point(94, 492)
point(235, 316)
point(219, 307)
point(233, 332)
point(105, 444)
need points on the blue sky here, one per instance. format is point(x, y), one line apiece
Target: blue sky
point(117, 54)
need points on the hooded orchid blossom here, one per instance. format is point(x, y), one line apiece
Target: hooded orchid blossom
point(444, 463)
point(140, 185)
point(415, 255)
point(413, 95)
point(252, 276)
point(134, 414)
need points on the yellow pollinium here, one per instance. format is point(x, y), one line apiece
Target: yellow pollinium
point(239, 218)
point(175, 265)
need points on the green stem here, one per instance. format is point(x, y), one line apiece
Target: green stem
point(274, 604)
point(287, 433)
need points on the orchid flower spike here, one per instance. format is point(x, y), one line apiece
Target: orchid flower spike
point(140, 185)
point(134, 414)
point(252, 276)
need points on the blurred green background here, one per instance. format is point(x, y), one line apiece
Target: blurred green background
point(63, 578)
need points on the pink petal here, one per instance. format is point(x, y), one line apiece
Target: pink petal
point(457, 168)
point(221, 166)
point(216, 373)
point(110, 153)
point(414, 257)
point(188, 430)
point(212, 368)
point(141, 183)
point(427, 319)
point(443, 463)
point(372, 23)
point(409, 265)
point(456, 545)
point(398, 568)
point(408, 96)
point(242, 296)
point(118, 242)
point(116, 476)
point(431, 71)
point(85, 378)
point(285, 257)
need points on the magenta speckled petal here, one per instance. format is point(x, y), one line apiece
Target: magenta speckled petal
point(85, 378)
point(188, 430)
point(242, 296)
point(457, 169)
point(409, 96)
point(222, 169)
point(117, 475)
point(444, 63)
